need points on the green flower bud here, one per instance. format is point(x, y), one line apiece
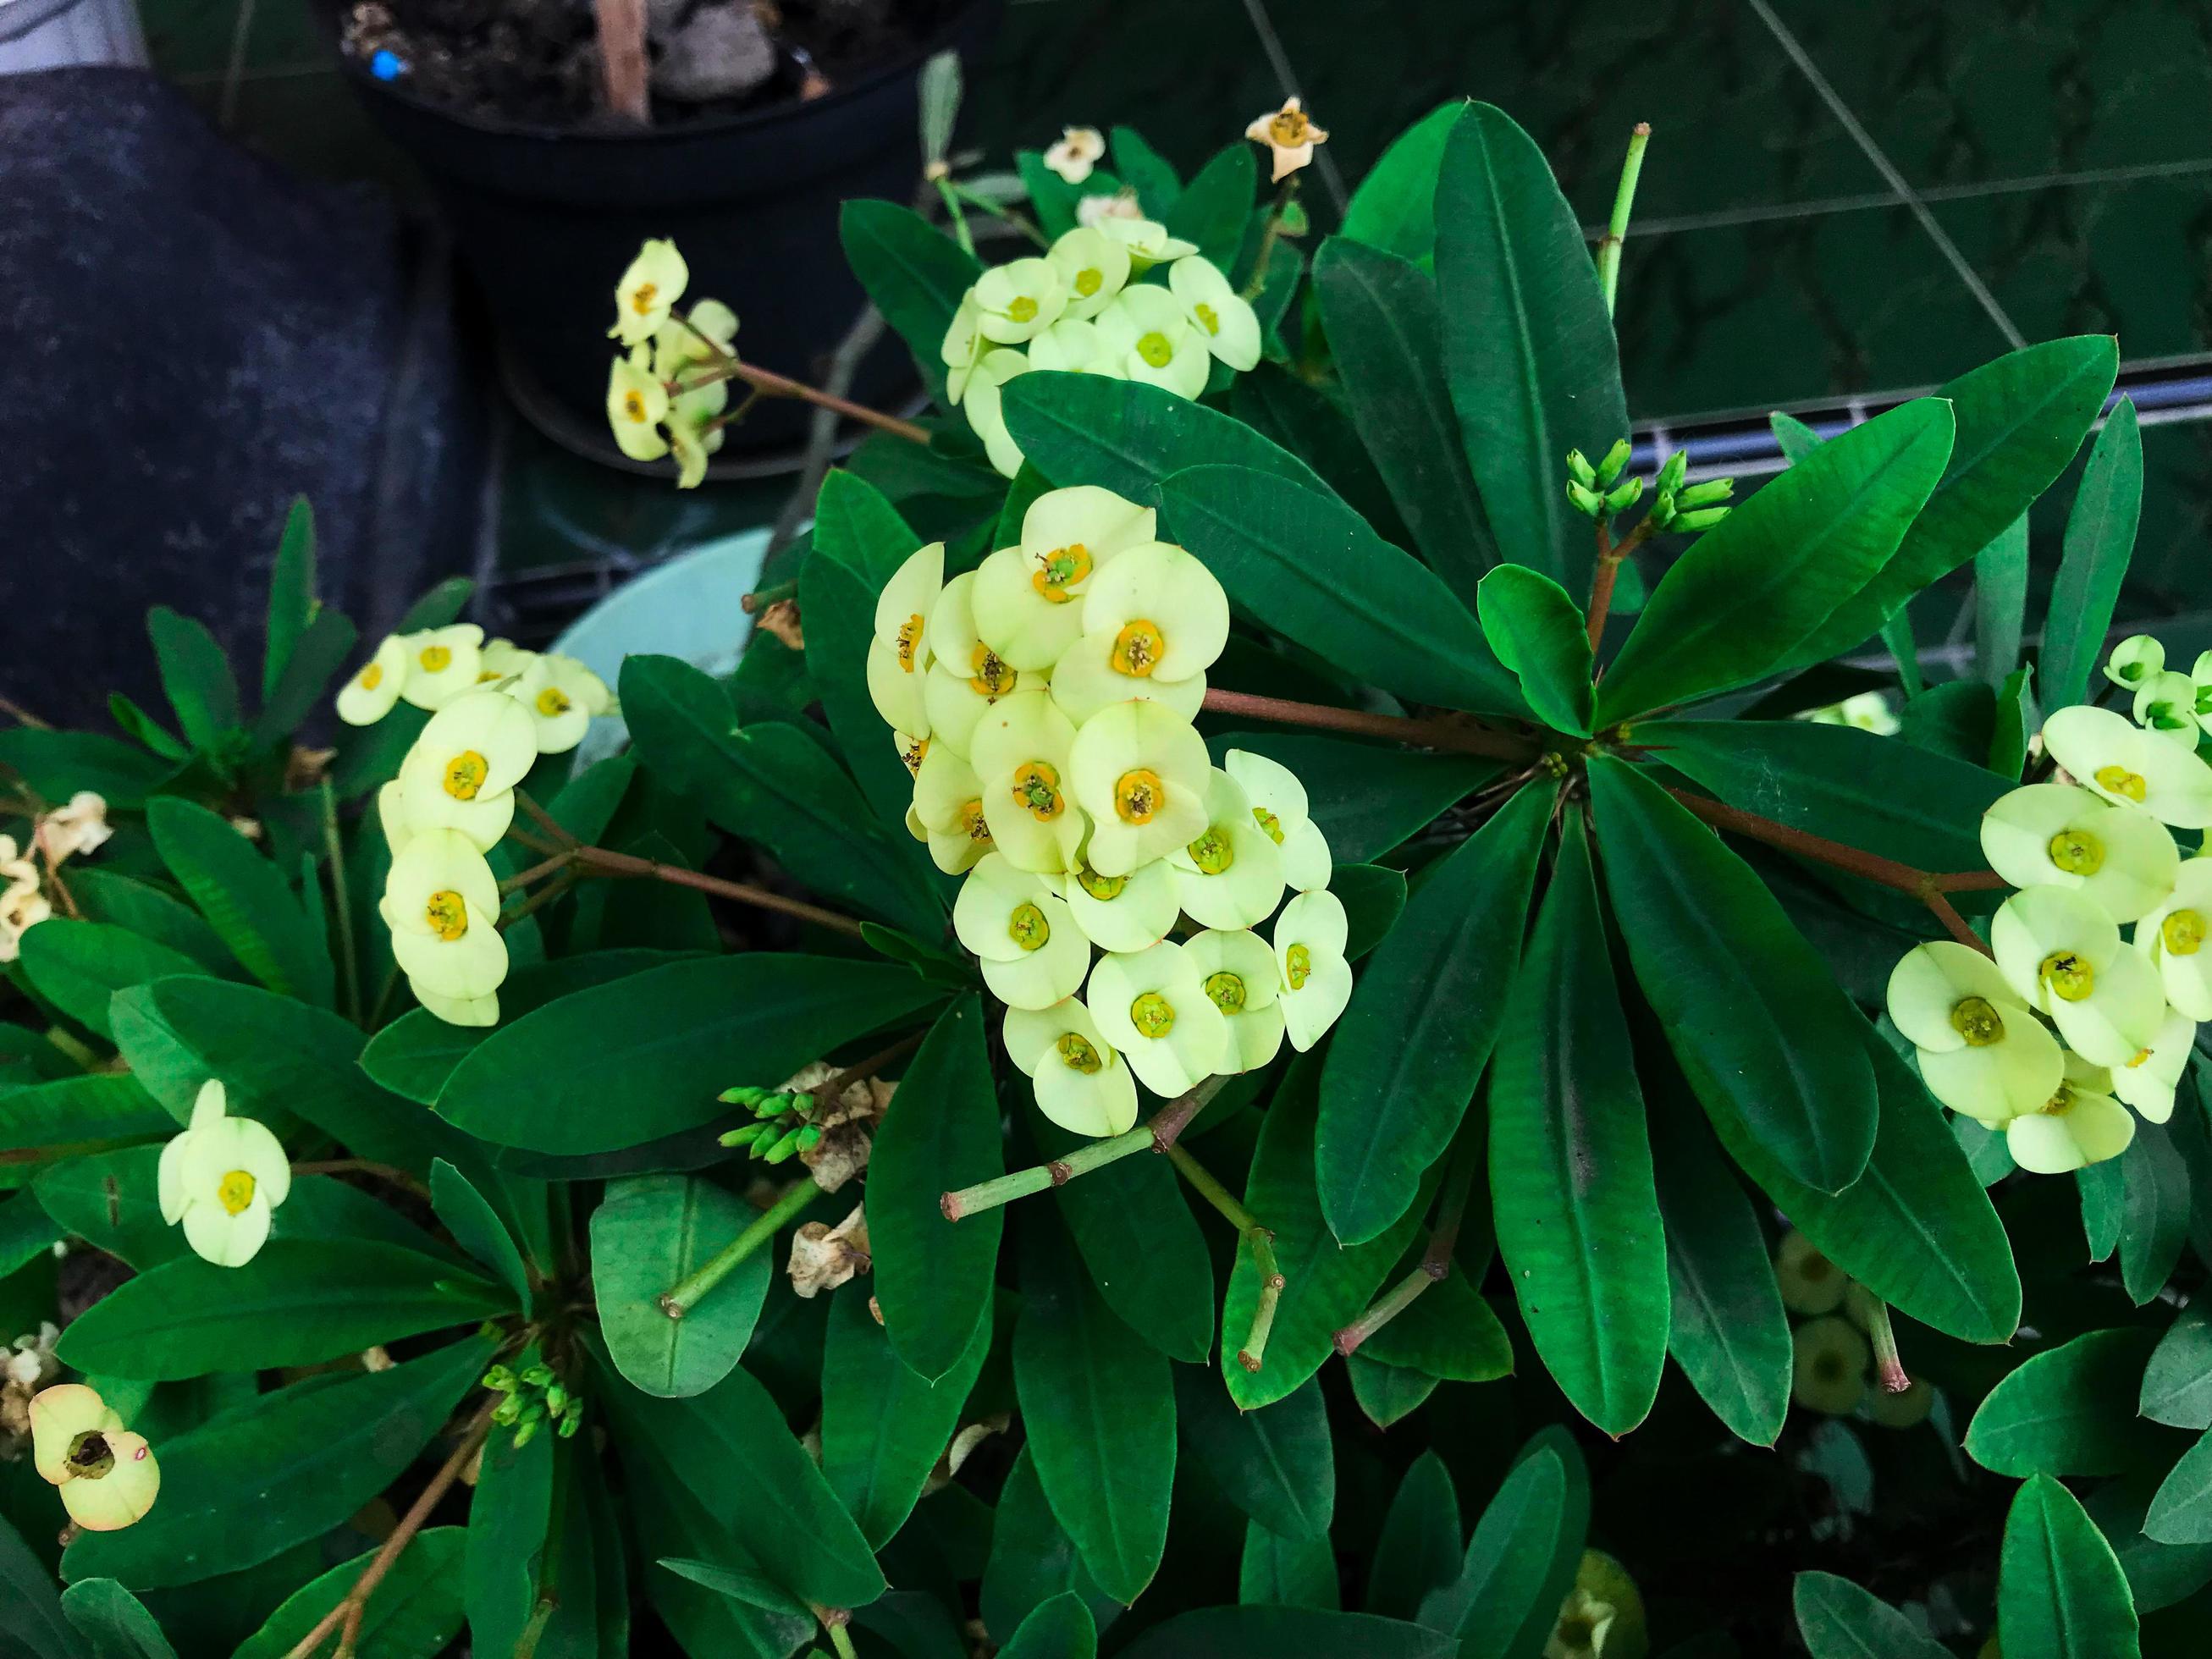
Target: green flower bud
point(809, 1137)
point(567, 1426)
point(1585, 501)
point(776, 1105)
point(556, 1397)
point(744, 1094)
point(785, 1148)
point(1662, 509)
point(532, 1413)
point(745, 1136)
point(1580, 469)
point(1675, 469)
point(539, 1376)
point(1704, 519)
point(1624, 494)
point(508, 1412)
point(500, 1379)
point(525, 1434)
point(1616, 458)
point(1706, 494)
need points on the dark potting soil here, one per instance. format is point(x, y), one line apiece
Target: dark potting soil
point(537, 62)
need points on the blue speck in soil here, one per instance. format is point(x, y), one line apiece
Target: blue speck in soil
point(387, 66)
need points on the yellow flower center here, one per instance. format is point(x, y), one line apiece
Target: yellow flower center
point(1105, 888)
point(1288, 128)
point(552, 701)
point(1076, 1054)
point(1270, 822)
point(235, 1191)
point(435, 658)
point(633, 406)
point(1297, 966)
point(89, 1457)
point(914, 754)
point(1155, 349)
point(992, 679)
point(1036, 788)
point(2183, 933)
point(371, 676)
point(909, 643)
point(1060, 570)
point(1024, 309)
point(2138, 1058)
point(1213, 852)
point(641, 302)
point(1152, 1014)
point(1225, 991)
point(447, 913)
point(2060, 1103)
point(2077, 852)
point(466, 774)
point(1208, 319)
point(1028, 928)
point(1138, 794)
point(972, 822)
point(1978, 1021)
point(2068, 975)
point(2119, 780)
point(1137, 650)
point(1088, 281)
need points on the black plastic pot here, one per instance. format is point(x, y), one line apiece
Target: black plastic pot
point(546, 219)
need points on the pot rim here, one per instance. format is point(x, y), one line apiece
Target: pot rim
point(955, 24)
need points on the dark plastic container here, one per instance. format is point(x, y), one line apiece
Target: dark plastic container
point(546, 219)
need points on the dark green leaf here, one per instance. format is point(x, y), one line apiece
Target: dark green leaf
point(1052, 198)
point(33, 1607)
point(99, 1106)
point(1388, 1393)
point(2100, 540)
point(1387, 331)
point(1295, 1572)
point(2001, 602)
point(477, 1228)
point(2068, 1410)
point(770, 784)
point(1394, 209)
point(1326, 1285)
point(442, 605)
point(2013, 723)
point(1773, 1047)
point(1540, 634)
point(2060, 1591)
point(1448, 1333)
point(1099, 1406)
point(2177, 1384)
point(1571, 1182)
point(1145, 171)
point(1212, 208)
point(1060, 1628)
point(622, 1064)
point(1528, 341)
point(1885, 797)
point(1275, 1464)
point(27, 1228)
point(196, 677)
point(732, 1441)
point(1366, 797)
point(1727, 1330)
point(1429, 1004)
point(2020, 419)
point(299, 1302)
point(415, 1611)
point(2159, 1575)
point(138, 724)
point(650, 1232)
point(1523, 1556)
point(310, 1454)
point(916, 275)
point(315, 661)
point(1419, 1550)
point(124, 901)
point(1373, 898)
point(1741, 603)
point(291, 592)
point(1311, 569)
point(78, 965)
point(2155, 1212)
point(245, 897)
point(741, 1585)
point(2181, 1513)
point(114, 1621)
point(1032, 1557)
point(510, 1518)
point(1281, 1632)
point(1314, 426)
point(56, 764)
point(932, 1277)
point(1840, 1621)
point(884, 1428)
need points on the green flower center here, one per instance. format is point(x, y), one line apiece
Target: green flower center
point(1024, 309)
point(1208, 319)
point(2068, 975)
point(1297, 966)
point(1076, 1054)
point(1979, 1022)
point(1225, 991)
point(1155, 348)
point(1059, 570)
point(1036, 787)
point(2060, 1103)
point(1270, 822)
point(1105, 888)
point(447, 913)
point(2119, 780)
point(2077, 852)
point(1212, 852)
point(1088, 281)
point(2183, 933)
point(1028, 928)
point(1152, 1014)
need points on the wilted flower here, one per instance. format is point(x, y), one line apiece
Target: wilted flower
point(1079, 150)
point(108, 1475)
point(1290, 136)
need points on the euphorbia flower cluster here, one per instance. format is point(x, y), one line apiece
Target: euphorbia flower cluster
point(1043, 703)
point(498, 708)
point(1083, 306)
point(2065, 1024)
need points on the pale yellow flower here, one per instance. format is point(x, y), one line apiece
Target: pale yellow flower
point(1290, 136)
point(221, 1179)
point(108, 1475)
point(653, 283)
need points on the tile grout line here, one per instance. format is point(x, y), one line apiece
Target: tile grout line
point(1278, 61)
point(1888, 170)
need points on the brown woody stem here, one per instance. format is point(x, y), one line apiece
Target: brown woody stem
point(1395, 728)
point(385, 1172)
point(766, 383)
point(609, 862)
point(1157, 1134)
point(1608, 572)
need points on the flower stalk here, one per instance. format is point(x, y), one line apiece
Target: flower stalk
point(1157, 1134)
point(686, 1293)
point(1623, 201)
point(1436, 1262)
point(1254, 1351)
point(1394, 728)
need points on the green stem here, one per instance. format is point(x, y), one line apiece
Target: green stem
point(1436, 1262)
point(842, 1639)
point(1003, 215)
point(1624, 199)
point(74, 1047)
point(1887, 1364)
point(1208, 1187)
point(342, 901)
point(1157, 1133)
point(683, 1295)
point(958, 215)
point(1270, 233)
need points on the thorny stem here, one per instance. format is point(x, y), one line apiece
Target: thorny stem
point(342, 901)
point(1608, 571)
point(389, 1172)
point(1263, 1240)
point(1887, 1364)
point(1396, 728)
point(1157, 1134)
point(829, 1093)
point(683, 1295)
point(1270, 233)
point(958, 215)
point(1436, 1262)
point(545, 866)
point(349, 1610)
point(766, 383)
point(544, 820)
point(1624, 198)
point(609, 862)
point(1004, 216)
point(552, 891)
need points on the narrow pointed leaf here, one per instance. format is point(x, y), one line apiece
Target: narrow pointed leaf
point(1840, 1621)
point(291, 594)
point(1430, 1002)
point(2060, 1591)
point(196, 676)
point(1276, 1464)
point(245, 898)
point(914, 274)
point(1367, 797)
point(2001, 602)
point(1523, 1556)
point(1393, 208)
point(1540, 633)
point(1419, 1550)
point(2181, 1511)
point(1291, 1572)
point(2177, 1384)
point(2100, 539)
